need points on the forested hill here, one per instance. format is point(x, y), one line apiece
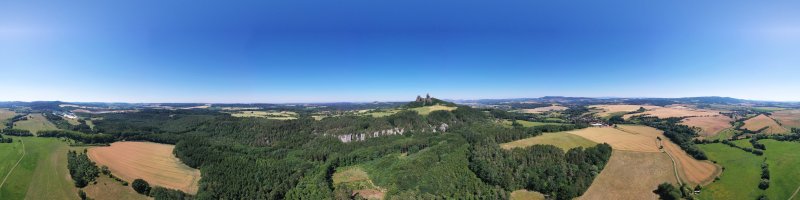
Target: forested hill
point(260, 158)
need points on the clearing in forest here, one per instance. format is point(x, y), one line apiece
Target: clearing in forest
point(425, 110)
point(709, 126)
point(561, 140)
point(631, 175)
point(526, 195)
point(35, 123)
point(761, 121)
point(356, 179)
point(152, 162)
point(543, 109)
point(788, 118)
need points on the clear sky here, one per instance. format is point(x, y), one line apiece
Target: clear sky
point(325, 51)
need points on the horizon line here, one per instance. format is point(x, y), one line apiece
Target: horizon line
point(397, 101)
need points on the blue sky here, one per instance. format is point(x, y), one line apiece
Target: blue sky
point(325, 51)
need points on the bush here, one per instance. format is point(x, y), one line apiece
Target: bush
point(141, 186)
point(764, 184)
point(164, 193)
point(82, 194)
point(667, 191)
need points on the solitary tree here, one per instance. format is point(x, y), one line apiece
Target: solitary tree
point(141, 186)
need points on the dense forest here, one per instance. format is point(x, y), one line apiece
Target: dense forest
point(257, 158)
point(543, 168)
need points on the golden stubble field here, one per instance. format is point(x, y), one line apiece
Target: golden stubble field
point(761, 121)
point(543, 109)
point(788, 118)
point(631, 175)
point(709, 126)
point(607, 110)
point(656, 111)
point(152, 162)
point(637, 165)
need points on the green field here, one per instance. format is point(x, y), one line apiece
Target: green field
point(784, 161)
point(382, 113)
point(745, 143)
point(42, 173)
point(561, 140)
point(35, 123)
point(740, 178)
point(724, 134)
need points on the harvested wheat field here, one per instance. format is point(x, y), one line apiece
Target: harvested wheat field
point(788, 118)
point(677, 111)
point(761, 121)
point(607, 110)
point(691, 171)
point(544, 109)
point(709, 126)
point(631, 175)
point(6, 114)
point(152, 162)
point(619, 140)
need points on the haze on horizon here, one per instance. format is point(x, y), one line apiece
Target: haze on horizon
point(321, 51)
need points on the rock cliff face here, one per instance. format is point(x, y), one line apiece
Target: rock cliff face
point(354, 137)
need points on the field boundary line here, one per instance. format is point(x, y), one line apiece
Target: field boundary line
point(15, 165)
point(795, 193)
point(674, 164)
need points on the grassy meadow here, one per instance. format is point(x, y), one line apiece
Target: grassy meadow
point(561, 140)
point(425, 110)
point(35, 123)
point(740, 178)
point(42, 173)
point(724, 134)
point(784, 162)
